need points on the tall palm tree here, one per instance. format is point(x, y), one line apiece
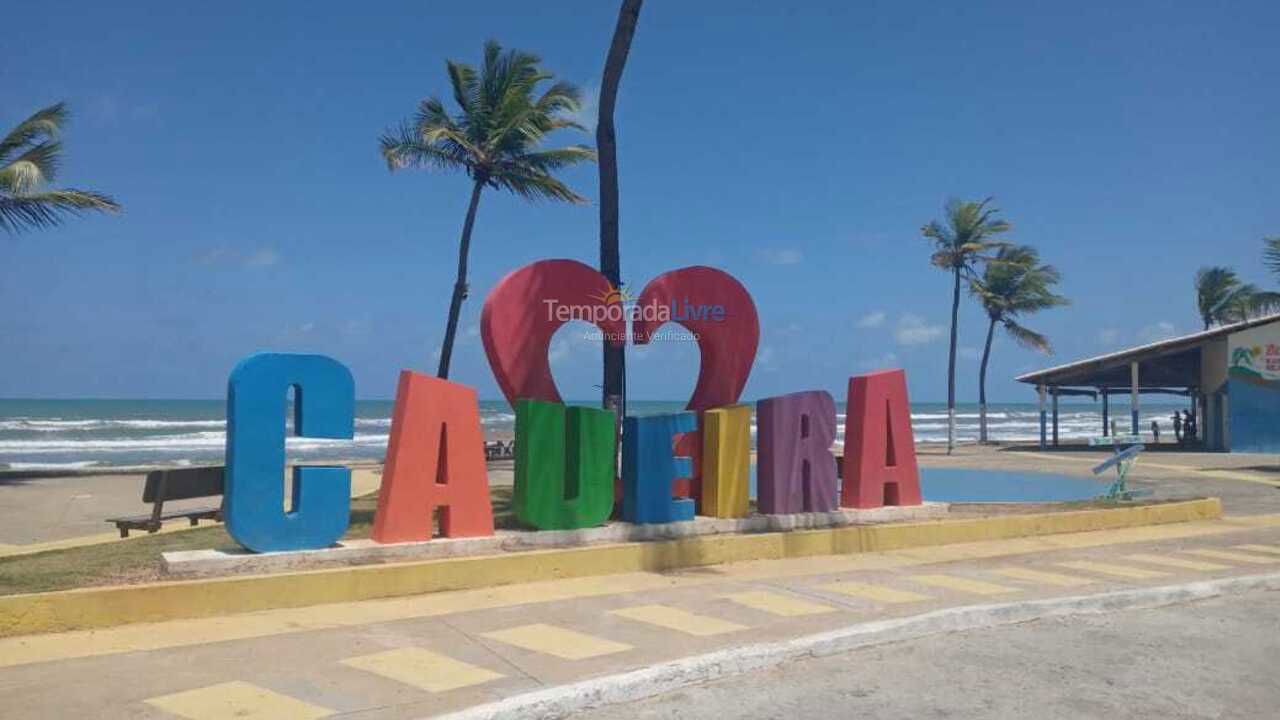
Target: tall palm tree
point(610, 261)
point(1015, 283)
point(495, 138)
point(29, 158)
point(963, 240)
point(1223, 298)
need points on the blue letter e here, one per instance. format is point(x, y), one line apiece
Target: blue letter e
point(323, 407)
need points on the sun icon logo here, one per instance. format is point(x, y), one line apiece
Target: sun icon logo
point(613, 295)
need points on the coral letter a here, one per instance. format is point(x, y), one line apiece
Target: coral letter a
point(879, 451)
point(435, 459)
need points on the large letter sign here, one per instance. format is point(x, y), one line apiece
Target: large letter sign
point(650, 468)
point(324, 407)
point(726, 461)
point(879, 451)
point(797, 472)
point(435, 459)
point(565, 460)
point(566, 457)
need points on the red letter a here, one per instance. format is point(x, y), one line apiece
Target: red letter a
point(879, 450)
point(435, 459)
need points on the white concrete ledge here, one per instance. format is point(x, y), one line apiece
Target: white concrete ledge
point(189, 563)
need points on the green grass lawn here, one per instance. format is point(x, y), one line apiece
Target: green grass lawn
point(137, 560)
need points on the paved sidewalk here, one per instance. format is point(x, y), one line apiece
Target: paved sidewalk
point(421, 656)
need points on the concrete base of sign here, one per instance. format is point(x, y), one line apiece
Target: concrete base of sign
point(191, 563)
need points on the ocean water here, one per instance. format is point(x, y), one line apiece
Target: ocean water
point(65, 434)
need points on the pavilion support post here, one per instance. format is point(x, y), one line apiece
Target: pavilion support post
point(1106, 413)
point(1055, 417)
point(1043, 438)
point(1134, 394)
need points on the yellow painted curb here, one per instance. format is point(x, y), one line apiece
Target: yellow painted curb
point(155, 602)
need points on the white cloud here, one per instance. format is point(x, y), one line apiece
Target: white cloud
point(779, 256)
point(913, 330)
point(1108, 336)
point(872, 320)
point(967, 353)
point(1162, 330)
point(212, 256)
point(223, 255)
point(887, 360)
point(558, 352)
point(263, 257)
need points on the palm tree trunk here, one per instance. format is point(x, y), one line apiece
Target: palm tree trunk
point(460, 285)
point(607, 149)
point(951, 367)
point(982, 384)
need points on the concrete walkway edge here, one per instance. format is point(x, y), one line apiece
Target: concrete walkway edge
point(565, 700)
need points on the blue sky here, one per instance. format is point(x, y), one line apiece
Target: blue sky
point(799, 146)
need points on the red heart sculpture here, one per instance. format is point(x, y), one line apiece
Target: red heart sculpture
point(519, 320)
point(521, 315)
point(726, 340)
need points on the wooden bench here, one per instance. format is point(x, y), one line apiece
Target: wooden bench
point(498, 450)
point(181, 484)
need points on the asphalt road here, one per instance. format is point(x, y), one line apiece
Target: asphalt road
point(1213, 659)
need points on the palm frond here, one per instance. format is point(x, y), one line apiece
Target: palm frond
point(50, 208)
point(533, 185)
point(548, 160)
point(404, 148)
point(33, 169)
point(45, 123)
point(1027, 337)
point(1271, 254)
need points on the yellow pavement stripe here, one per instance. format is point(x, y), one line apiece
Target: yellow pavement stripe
point(1234, 556)
point(557, 641)
point(1042, 577)
point(423, 669)
point(237, 701)
point(873, 592)
point(784, 605)
point(28, 649)
point(1169, 561)
point(1123, 571)
point(678, 620)
point(952, 582)
point(1253, 520)
point(1260, 548)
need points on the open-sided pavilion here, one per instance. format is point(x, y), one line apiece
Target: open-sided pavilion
point(1236, 364)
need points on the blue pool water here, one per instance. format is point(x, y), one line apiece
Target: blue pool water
point(967, 485)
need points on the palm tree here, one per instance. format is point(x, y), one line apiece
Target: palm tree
point(965, 239)
point(1223, 298)
point(495, 138)
point(29, 158)
point(610, 260)
point(1015, 283)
